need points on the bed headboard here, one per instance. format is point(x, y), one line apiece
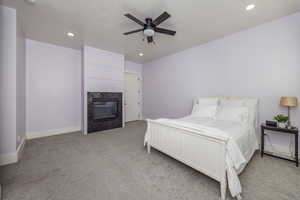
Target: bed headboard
point(251, 103)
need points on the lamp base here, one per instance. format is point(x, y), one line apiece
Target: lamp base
point(289, 122)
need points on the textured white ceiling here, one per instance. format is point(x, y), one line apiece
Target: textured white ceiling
point(100, 23)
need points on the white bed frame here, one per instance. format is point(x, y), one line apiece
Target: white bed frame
point(203, 153)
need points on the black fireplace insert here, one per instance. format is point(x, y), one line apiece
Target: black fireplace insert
point(104, 111)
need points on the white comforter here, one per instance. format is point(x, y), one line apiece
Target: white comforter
point(241, 143)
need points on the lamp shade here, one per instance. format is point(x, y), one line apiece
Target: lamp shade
point(289, 101)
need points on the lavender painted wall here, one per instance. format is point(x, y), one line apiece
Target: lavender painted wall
point(262, 62)
point(12, 84)
point(8, 62)
point(53, 93)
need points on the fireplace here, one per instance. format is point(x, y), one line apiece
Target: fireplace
point(104, 111)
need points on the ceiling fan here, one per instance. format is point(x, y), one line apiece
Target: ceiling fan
point(150, 27)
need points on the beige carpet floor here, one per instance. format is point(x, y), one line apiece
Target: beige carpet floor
point(113, 165)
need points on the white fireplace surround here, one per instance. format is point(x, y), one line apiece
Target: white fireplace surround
point(102, 71)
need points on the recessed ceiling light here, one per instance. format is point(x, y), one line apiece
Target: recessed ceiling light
point(30, 1)
point(70, 34)
point(141, 54)
point(250, 7)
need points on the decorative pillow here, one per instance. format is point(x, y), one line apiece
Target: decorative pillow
point(205, 111)
point(205, 107)
point(232, 113)
point(252, 105)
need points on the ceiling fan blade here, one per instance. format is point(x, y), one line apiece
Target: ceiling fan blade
point(161, 18)
point(133, 18)
point(150, 39)
point(164, 31)
point(135, 31)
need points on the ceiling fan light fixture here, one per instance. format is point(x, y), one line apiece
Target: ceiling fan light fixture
point(149, 32)
point(141, 54)
point(70, 34)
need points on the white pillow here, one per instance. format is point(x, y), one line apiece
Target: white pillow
point(252, 104)
point(205, 111)
point(232, 113)
point(207, 101)
point(205, 107)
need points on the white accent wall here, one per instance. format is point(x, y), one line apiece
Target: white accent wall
point(262, 62)
point(102, 71)
point(53, 89)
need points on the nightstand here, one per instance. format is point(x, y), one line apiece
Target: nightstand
point(283, 130)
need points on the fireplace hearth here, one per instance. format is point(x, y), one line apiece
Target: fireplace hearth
point(104, 111)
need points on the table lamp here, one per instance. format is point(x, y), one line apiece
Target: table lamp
point(289, 102)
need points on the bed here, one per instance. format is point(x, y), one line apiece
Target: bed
point(217, 139)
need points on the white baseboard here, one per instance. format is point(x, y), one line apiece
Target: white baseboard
point(20, 148)
point(32, 135)
point(10, 158)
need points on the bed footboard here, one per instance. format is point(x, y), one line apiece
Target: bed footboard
point(203, 153)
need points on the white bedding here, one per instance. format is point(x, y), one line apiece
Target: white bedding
point(241, 142)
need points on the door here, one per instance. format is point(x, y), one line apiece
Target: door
point(132, 104)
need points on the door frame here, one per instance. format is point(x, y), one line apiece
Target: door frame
point(139, 75)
